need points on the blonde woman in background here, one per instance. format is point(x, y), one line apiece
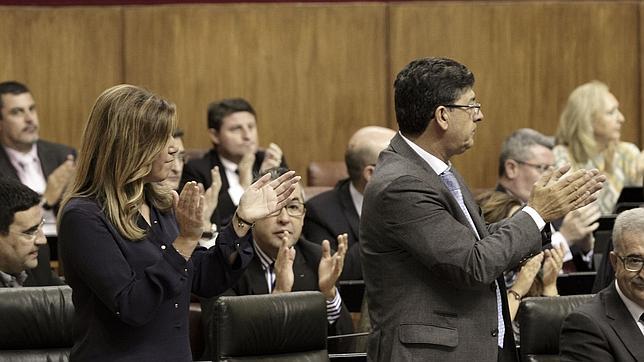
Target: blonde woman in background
point(588, 136)
point(129, 243)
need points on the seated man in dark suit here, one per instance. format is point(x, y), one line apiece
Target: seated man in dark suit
point(285, 262)
point(611, 326)
point(525, 155)
point(338, 211)
point(24, 257)
point(232, 128)
point(45, 167)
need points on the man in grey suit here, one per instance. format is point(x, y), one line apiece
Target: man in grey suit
point(611, 326)
point(430, 263)
point(45, 167)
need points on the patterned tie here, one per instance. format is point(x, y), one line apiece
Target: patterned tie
point(454, 188)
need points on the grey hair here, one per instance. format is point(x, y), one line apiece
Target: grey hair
point(628, 222)
point(517, 146)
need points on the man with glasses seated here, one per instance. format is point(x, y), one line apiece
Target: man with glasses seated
point(611, 326)
point(525, 155)
point(285, 262)
point(24, 256)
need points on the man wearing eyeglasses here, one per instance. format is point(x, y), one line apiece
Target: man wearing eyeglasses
point(432, 267)
point(525, 155)
point(611, 326)
point(24, 256)
point(285, 262)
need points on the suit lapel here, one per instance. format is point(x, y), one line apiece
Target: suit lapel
point(622, 322)
point(401, 147)
point(47, 160)
point(5, 164)
point(349, 209)
point(471, 206)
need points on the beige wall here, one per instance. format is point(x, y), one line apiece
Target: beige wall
point(316, 73)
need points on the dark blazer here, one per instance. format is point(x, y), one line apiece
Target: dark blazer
point(305, 270)
point(330, 214)
point(601, 330)
point(51, 156)
point(429, 281)
point(199, 170)
point(42, 275)
point(132, 298)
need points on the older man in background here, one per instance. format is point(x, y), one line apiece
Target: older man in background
point(338, 211)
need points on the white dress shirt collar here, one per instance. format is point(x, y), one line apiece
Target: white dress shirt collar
point(356, 197)
point(434, 162)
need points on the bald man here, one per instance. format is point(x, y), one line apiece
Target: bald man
point(338, 211)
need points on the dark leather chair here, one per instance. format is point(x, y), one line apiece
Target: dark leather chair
point(325, 173)
point(540, 320)
point(268, 327)
point(36, 323)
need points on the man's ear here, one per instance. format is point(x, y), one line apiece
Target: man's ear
point(213, 135)
point(441, 116)
point(367, 172)
point(613, 259)
point(511, 169)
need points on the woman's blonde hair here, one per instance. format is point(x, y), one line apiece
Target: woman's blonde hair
point(575, 129)
point(127, 129)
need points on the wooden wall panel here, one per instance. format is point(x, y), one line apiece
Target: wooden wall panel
point(527, 57)
point(66, 56)
point(314, 73)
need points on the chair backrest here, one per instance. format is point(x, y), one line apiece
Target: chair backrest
point(325, 173)
point(269, 327)
point(36, 323)
point(540, 320)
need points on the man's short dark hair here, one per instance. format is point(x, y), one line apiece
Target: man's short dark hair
point(424, 85)
point(219, 110)
point(518, 146)
point(11, 87)
point(14, 197)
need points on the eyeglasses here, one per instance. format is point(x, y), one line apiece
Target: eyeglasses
point(294, 208)
point(632, 263)
point(180, 157)
point(541, 168)
point(476, 107)
point(32, 235)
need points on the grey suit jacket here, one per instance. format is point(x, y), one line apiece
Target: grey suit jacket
point(601, 330)
point(51, 156)
point(429, 281)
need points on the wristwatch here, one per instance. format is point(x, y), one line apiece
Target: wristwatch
point(210, 233)
point(241, 223)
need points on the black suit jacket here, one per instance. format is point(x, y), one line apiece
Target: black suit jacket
point(305, 270)
point(199, 170)
point(330, 214)
point(42, 275)
point(51, 156)
point(601, 330)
